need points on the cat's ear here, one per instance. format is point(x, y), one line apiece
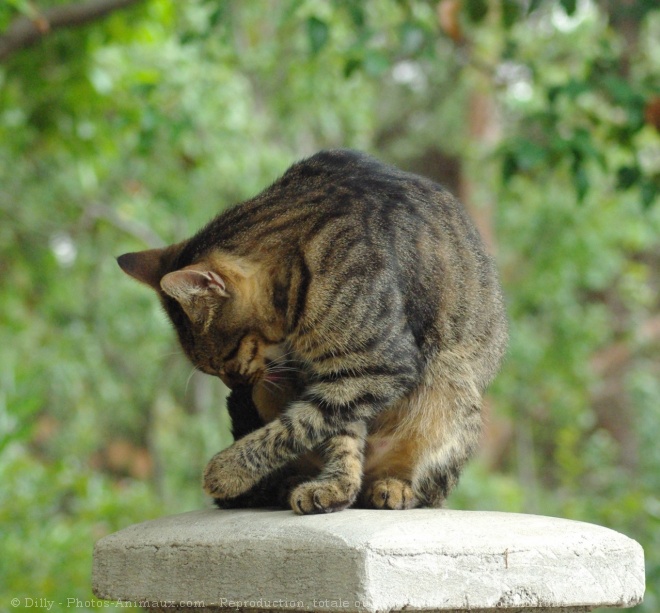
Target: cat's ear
point(187, 283)
point(145, 266)
point(192, 288)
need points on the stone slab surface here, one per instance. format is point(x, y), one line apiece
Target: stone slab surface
point(372, 561)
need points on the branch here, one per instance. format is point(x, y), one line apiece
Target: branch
point(24, 31)
point(133, 228)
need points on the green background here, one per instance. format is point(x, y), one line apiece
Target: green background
point(131, 131)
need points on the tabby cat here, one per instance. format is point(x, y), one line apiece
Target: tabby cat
point(352, 309)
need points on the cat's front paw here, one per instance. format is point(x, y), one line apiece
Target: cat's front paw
point(390, 493)
point(225, 477)
point(322, 496)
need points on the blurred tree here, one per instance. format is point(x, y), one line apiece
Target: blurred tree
point(33, 24)
point(135, 129)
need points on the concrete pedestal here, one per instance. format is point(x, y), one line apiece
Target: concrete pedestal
point(368, 561)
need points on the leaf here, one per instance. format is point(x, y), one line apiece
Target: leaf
point(583, 141)
point(318, 33)
point(522, 155)
point(530, 154)
point(352, 64)
point(627, 176)
point(185, 38)
point(575, 88)
point(533, 6)
point(476, 10)
point(621, 91)
point(356, 12)
point(580, 176)
point(218, 15)
point(509, 167)
point(510, 13)
point(553, 93)
point(649, 192)
point(569, 6)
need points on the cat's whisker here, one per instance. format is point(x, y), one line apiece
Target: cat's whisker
point(190, 376)
point(285, 355)
point(268, 382)
point(284, 361)
point(272, 368)
point(278, 377)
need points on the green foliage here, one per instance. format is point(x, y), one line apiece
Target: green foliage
point(134, 131)
point(581, 102)
point(56, 512)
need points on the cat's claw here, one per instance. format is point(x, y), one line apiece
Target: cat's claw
point(321, 497)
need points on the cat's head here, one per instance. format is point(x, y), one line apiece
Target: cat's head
point(218, 308)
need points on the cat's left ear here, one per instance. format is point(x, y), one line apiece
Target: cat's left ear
point(188, 283)
point(193, 288)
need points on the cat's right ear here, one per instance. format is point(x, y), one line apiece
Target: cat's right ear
point(145, 266)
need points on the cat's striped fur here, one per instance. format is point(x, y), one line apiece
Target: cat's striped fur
point(375, 286)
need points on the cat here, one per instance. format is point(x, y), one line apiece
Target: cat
point(355, 313)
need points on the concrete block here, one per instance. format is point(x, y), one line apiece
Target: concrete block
point(369, 561)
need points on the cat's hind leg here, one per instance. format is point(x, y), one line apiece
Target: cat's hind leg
point(389, 461)
point(416, 449)
point(338, 484)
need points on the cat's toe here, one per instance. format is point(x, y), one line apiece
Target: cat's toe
point(391, 493)
point(320, 497)
point(286, 488)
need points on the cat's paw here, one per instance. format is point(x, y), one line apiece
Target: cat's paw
point(322, 496)
point(390, 493)
point(225, 477)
